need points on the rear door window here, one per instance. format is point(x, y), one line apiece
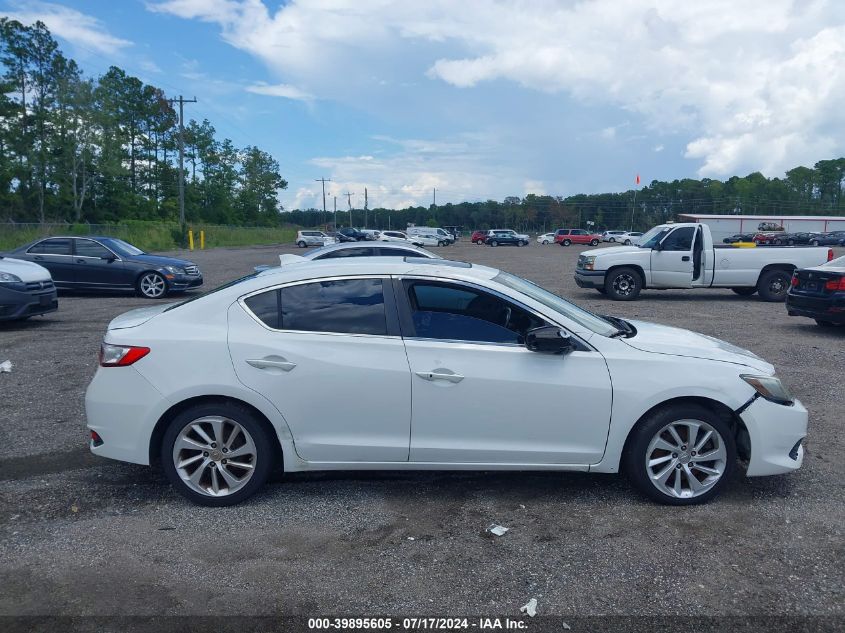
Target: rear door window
point(53, 246)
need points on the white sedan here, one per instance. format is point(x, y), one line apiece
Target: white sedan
point(546, 238)
point(258, 374)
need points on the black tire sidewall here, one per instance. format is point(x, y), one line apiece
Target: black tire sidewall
point(608, 284)
point(244, 417)
point(763, 285)
point(633, 461)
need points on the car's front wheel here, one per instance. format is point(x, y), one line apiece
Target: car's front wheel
point(545, 241)
point(815, 242)
point(217, 454)
point(627, 242)
point(152, 285)
point(623, 284)
point(681, 455)
point(493, 243)
point(594, 242)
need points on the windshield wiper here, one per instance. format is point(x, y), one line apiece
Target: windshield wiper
point(624, 328)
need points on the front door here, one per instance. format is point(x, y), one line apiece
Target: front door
point(328, 355)
point(672, 266)
point(97, 267)
point(479, 396)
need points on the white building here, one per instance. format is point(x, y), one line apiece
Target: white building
point(722, 226)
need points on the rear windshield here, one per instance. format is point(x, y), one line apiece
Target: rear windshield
point(200, 295)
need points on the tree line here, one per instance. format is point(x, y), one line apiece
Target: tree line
point(818, 190)
point(81, 149)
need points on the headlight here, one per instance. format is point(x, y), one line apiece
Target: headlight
point(9, 278)
point(175, 270)
point(589, 262)
point(770, 387)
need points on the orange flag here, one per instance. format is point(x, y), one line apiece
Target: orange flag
point(638, 179)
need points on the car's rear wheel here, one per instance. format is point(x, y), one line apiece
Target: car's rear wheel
point(623, 284)
point(479, 242)
point(744, 292)
point(152, 285)
point(301, 244)
point(594, 242)
point(493, 243)
point(627, 242)
point(611, 239)
point(773, 285)
point(441, 243)
point(566, 243)
point(545, 241)
point(217, 454)
point(815, 242)
point(681, 455)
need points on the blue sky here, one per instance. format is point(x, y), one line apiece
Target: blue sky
point(483, 99)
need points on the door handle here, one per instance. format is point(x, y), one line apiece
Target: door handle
point(80, 261)
point(38, 258)
point(271, 363)
point(685, 258)
point(440, 374)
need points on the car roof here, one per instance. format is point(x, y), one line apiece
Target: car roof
point(347, 245)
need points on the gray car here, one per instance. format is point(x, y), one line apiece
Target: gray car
point(361, 249)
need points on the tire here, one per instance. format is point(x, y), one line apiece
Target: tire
point(152, 285)
point(611, 239)
point(602, 291)
point(594, 242)
point(627, 242)
point(744, 292)
point(677, 483)
point(623, 284)
point(545, 242)
point(441, 243)
point(773, 285)
point(493, 243)
point(815, 243)
point(791, 243)
point(566, 243)
point(479, 242)
point(301, 244)
point(216, 420)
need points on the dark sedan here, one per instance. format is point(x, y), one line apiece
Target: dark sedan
point(109, 264)
point(833, 238)
point(819, 293)
point(738, 237)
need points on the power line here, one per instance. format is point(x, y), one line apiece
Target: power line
point(182, 103)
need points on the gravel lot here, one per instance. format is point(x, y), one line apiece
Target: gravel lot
point(86, 536)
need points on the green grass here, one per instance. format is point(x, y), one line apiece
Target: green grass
point(150, 236)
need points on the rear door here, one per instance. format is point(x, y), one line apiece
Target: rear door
point(329, 356)
point(97, 267)
point(672, 266)
point(56, 255)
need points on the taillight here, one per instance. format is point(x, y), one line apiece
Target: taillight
point(829, 254)
point(794, 280)
point(835, 284)
point(121, 355)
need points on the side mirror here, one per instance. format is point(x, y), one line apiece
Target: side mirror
point(549, 339)
point(109, 258)
point(657, 247)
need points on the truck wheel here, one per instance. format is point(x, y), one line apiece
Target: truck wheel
point(773, 285)
point(594, 242)
point(681, 455)
point(623, 284)
point(744, 292)
point(566, 243)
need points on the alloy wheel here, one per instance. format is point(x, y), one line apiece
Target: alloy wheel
point(214, 456)
point(624, 284)
point(152, 285)
point(686, 458)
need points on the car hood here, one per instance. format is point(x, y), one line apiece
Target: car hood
point(159, 260)
point(662, 339)
point(134, 318)
point(27, 271)
point(612, 250)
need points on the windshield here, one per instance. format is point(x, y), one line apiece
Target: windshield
point(652, 237)
point(200, 295)
point(122, 248)
point(589, 320)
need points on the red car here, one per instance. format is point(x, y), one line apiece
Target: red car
point(565, 237)
point(479, 237)
point(766, 237)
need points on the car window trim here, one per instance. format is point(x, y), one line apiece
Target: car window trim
point(390, 312)
point(88, 239)
point(407, 323)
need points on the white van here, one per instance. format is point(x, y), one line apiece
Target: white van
point(441, 234)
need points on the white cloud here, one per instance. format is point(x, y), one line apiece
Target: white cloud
point(753, 85)
point(279, 90)
point(79, 29)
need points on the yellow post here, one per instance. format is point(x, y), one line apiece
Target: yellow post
point(202, 240)
point(190, 239)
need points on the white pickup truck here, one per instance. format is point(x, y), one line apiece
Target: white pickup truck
point(684, 256)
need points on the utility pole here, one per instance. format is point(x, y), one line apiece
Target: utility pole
point(335, 213)
point(434, 201)
point(182, 103)
point(365, 207)
point(324, 181)
point(349, 202)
